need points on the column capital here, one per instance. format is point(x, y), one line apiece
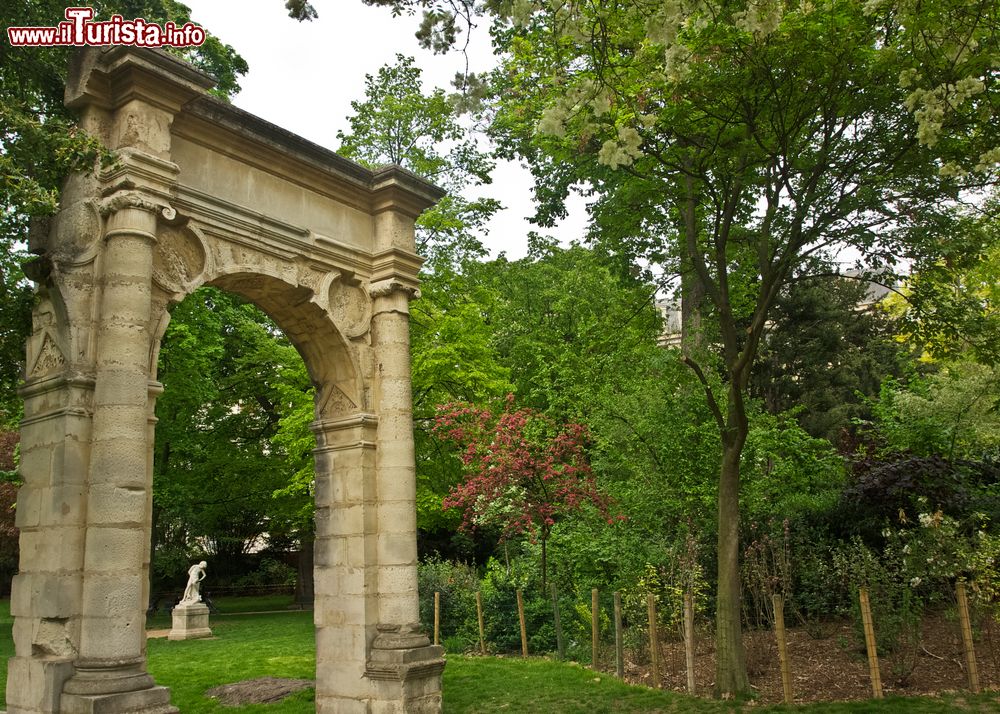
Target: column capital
point(123, 199)
point(391, 286)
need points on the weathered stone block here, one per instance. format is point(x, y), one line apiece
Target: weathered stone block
point(344, 521)
point(109, 503)
point(28, 511)
point(45, 595)
point(33, 685)
point(109, 594)
point(340, 705)
point(397, 517)
point(53, 549)
point(343, 643)
point(146, 701)
point(396, 549)
point(63, 504)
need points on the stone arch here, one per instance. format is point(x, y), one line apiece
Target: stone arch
point(201, 193)
point(329, 359)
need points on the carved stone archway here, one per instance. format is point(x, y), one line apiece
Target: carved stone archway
point(201, 193)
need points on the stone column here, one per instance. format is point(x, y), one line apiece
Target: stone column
point(345, 606)
point(51, 507)
point(111, 672)
point(404, 667)
point(395, 464)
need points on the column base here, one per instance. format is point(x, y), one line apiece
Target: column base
point(190, 622)
point(405, 672)
point(146, 701)
point(114, 689)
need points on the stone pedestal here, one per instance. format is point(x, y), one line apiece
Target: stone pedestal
point(405, 672)
point(190, 622)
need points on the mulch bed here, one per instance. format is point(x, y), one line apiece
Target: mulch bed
point(829, 664)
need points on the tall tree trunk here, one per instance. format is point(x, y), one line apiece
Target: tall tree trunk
point(692, 305)
point(730, 666)
point(544, 563)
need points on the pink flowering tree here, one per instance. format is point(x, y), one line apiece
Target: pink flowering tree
point(523, 470)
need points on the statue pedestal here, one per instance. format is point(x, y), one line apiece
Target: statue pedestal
point(190, 622)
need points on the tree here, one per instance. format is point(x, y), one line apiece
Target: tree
point(950, 304)
point(524, 470)
point(828, 348)
point(441, 19)
point(566, 323)
point(398, 124)
point(771, 137)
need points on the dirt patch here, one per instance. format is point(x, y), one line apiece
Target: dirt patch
point(258, 691)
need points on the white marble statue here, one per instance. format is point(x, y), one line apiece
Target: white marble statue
point(192, 593)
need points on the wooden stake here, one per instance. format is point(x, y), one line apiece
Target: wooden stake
point(619, 647)
point(654, 639)
point(779, 632)
point(866, 621)
point(689, 639)
point(595, 627)
point(437, 617)
point(479, 616)
point(970, 649)
point(524, 631)
point(560, 642)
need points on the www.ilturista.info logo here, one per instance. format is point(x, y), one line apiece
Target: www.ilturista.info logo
point(79, 29)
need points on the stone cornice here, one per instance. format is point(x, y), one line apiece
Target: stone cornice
point(109, 77)
point(242, 135)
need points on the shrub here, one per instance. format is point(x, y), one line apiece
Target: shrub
point(457, 584)
point(268, 572)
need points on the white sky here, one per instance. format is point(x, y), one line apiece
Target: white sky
point(303, 77)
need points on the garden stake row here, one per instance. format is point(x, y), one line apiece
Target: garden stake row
point(777, 602)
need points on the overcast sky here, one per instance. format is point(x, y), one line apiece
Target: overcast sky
point(303, 77)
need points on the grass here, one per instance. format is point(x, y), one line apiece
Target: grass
point(245, 647)
point(281, 644)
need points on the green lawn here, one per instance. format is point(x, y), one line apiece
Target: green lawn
point(281, 645)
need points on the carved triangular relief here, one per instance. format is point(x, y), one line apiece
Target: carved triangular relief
point(50, 357)
point(333, 402)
